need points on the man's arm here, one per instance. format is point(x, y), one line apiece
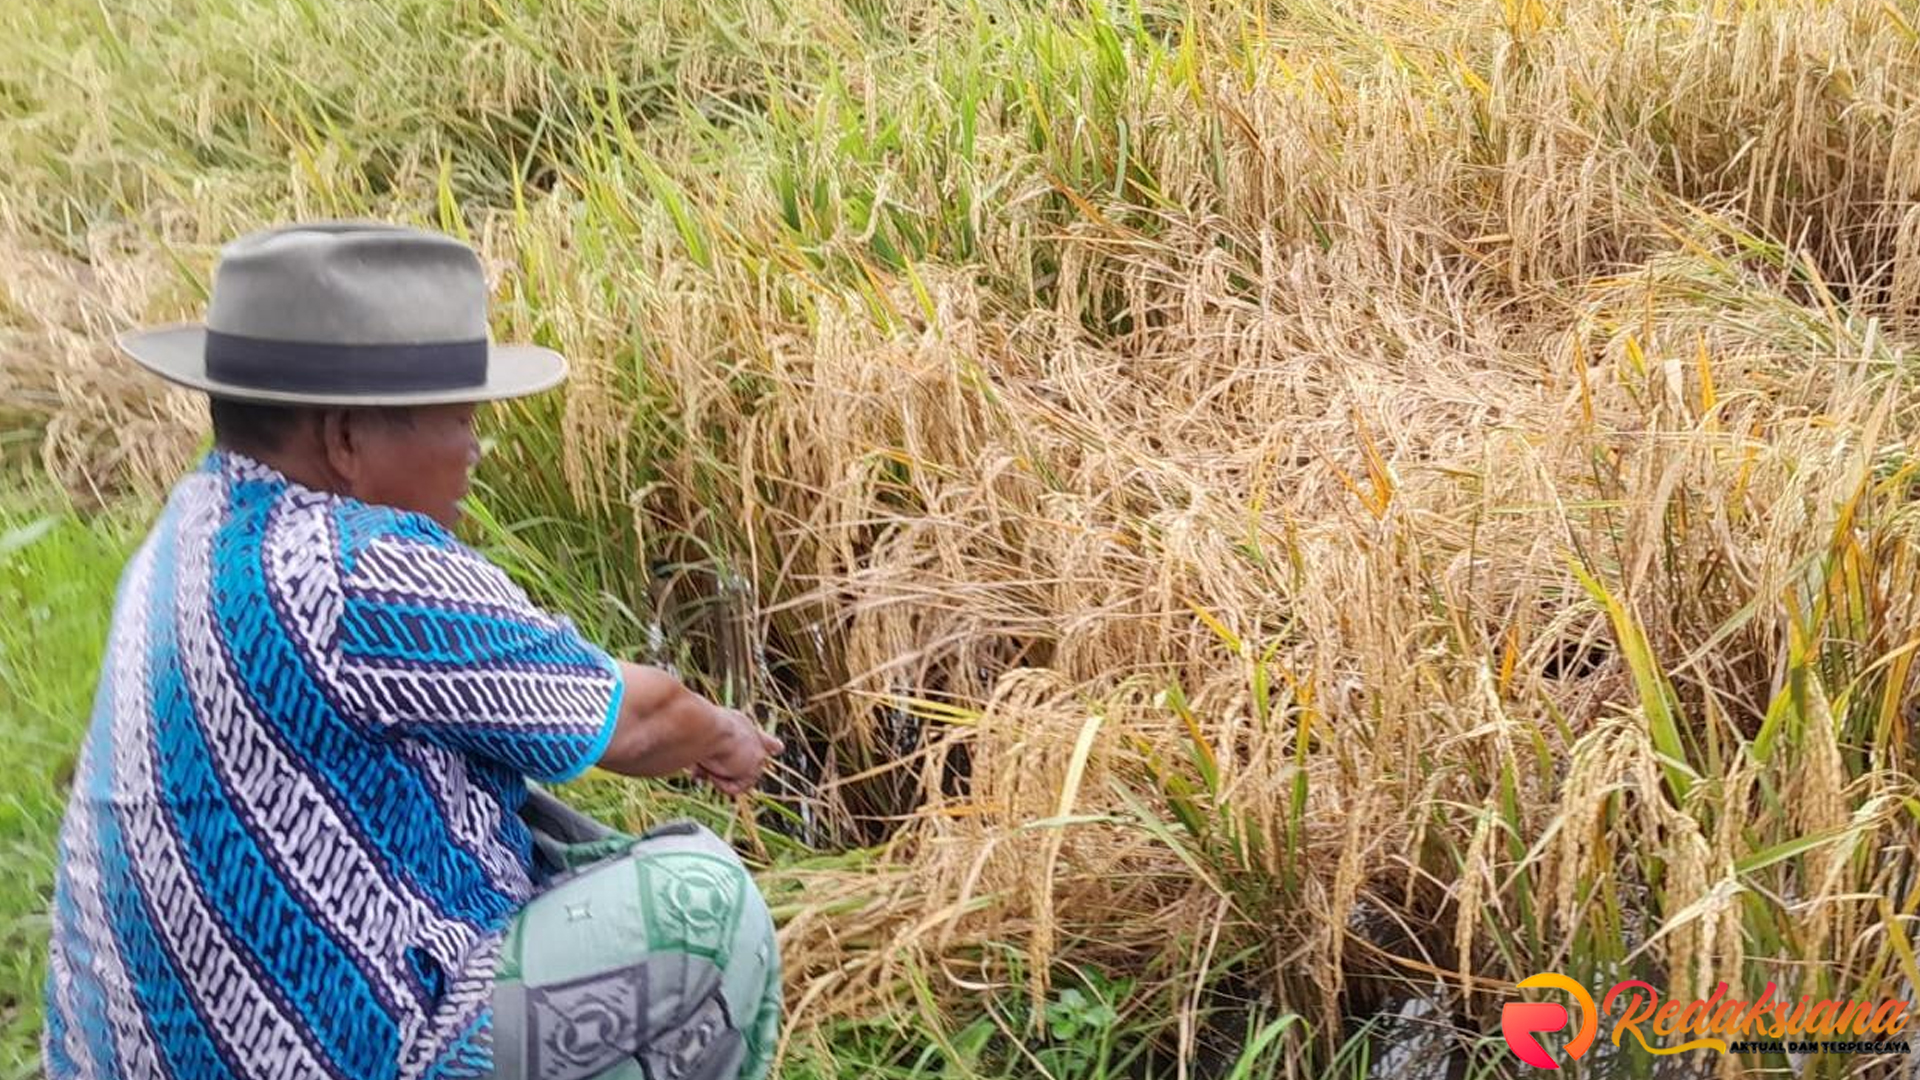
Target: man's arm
point(663, 728)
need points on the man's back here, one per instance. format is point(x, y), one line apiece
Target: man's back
point(292, 841)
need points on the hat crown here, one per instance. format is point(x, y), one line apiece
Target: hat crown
point(349, 283)
point(346, 313)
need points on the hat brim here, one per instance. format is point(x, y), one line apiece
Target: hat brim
point(178, 355)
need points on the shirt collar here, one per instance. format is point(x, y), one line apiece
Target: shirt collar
point(237, 467)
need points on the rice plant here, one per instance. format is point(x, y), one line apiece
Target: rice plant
point(1305, 511)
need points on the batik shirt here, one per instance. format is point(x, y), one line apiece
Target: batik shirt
point(292, 842)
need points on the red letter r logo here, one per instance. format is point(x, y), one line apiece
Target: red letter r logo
point(1519, 1020)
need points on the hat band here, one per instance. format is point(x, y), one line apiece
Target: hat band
point(306, 367)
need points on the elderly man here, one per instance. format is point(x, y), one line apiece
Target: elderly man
point(301, 841)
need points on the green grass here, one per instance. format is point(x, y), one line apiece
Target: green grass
point(57, 577)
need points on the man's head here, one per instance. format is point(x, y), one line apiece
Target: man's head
point(367, 347)
point(417, 458)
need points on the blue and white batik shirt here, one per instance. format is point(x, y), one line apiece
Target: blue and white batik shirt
point(292, 842)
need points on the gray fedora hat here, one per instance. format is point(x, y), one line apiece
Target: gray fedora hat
point(346, 313)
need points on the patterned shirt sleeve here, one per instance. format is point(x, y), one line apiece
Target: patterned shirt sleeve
point(438, 643)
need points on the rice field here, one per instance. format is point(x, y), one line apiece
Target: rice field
point(1262, 524)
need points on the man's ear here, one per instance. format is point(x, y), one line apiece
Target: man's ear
point(338, 443)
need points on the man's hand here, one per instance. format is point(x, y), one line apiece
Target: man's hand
point(664, 728)
point(743, 757)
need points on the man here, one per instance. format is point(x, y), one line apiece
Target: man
point(295, 846)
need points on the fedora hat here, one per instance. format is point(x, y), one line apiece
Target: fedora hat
point(346, 313)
